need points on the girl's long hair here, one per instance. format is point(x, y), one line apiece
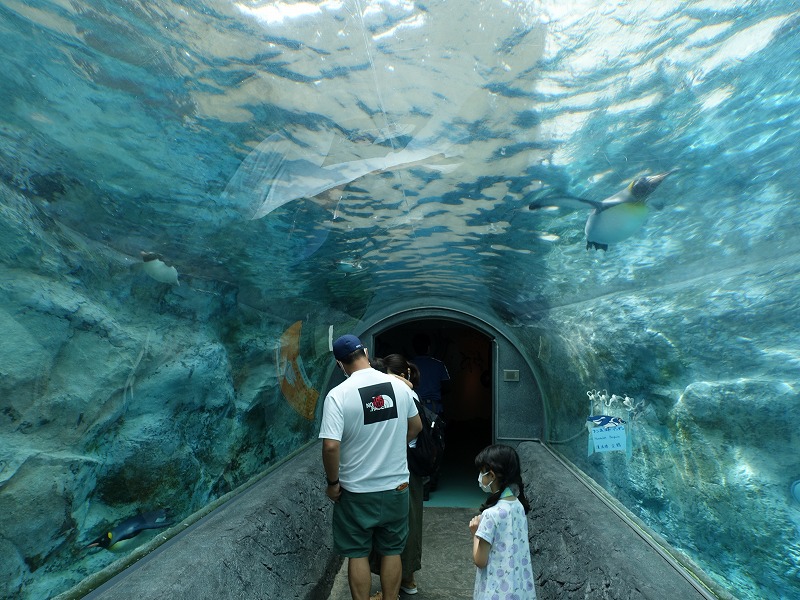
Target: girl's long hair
point(398, 365)
point(504, 461)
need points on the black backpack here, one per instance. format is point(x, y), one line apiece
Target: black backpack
point(424, 459)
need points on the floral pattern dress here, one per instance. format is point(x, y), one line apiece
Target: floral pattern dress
point(508, 575)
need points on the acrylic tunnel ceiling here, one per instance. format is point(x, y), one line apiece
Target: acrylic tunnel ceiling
point(375, 151)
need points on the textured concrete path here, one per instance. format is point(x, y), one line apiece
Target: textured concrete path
point(447, 569)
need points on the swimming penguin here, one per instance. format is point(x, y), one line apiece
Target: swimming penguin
point(155, 519)
point(615, 218)
point(347, 265)
point(158, 269)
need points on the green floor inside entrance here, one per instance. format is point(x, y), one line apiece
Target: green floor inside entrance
point(458, 478)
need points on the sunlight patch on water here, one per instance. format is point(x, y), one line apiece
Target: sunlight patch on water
point(717, 97)
point(744, 44)
point(281, 12)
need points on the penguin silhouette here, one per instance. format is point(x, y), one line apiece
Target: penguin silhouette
point(156, 268)
point(131, 527)
point(615, 218)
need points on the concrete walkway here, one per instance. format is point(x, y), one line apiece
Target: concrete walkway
point(583, 547)
point(447, 569)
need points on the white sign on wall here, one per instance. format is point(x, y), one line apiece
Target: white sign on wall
point(608, 434)
point(608, 439)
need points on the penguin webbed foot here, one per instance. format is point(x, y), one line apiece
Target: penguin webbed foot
point(596, 246)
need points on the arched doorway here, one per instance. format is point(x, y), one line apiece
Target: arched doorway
point(468, 354)
point(495, 395)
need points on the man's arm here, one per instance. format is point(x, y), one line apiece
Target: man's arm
point(330, 461)
point(414, 427)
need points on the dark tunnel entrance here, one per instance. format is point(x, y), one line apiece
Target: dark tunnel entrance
point(468, 401)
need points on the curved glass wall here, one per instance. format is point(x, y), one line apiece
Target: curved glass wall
point(194, 192)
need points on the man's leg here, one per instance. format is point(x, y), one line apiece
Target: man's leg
point(360, 578)
point(391, 571)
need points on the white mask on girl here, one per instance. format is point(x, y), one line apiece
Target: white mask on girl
point(485, 488)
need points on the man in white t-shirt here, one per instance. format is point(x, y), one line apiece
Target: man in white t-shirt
point(367, 422)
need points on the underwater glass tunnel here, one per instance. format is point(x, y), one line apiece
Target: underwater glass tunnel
point(197, 195)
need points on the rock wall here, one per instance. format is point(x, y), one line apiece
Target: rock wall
point(713, 368)
point(271, 541)
point(118, 394)
point(581, 549)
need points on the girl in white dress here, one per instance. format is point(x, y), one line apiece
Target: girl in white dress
point(500, 547)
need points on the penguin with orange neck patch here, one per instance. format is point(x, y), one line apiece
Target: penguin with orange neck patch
point(129, 528)
point(615, 218)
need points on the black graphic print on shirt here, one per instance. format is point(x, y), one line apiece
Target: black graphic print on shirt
point(379, 404)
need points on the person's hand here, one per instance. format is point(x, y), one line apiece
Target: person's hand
point(403, 379)
point(334, 491)
point(473, 524)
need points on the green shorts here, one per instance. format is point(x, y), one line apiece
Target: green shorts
point(371, 519)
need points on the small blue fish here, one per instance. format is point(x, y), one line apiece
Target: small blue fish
point(605, 421)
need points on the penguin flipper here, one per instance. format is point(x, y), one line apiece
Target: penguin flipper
point(154, 519)
point(564, 201)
